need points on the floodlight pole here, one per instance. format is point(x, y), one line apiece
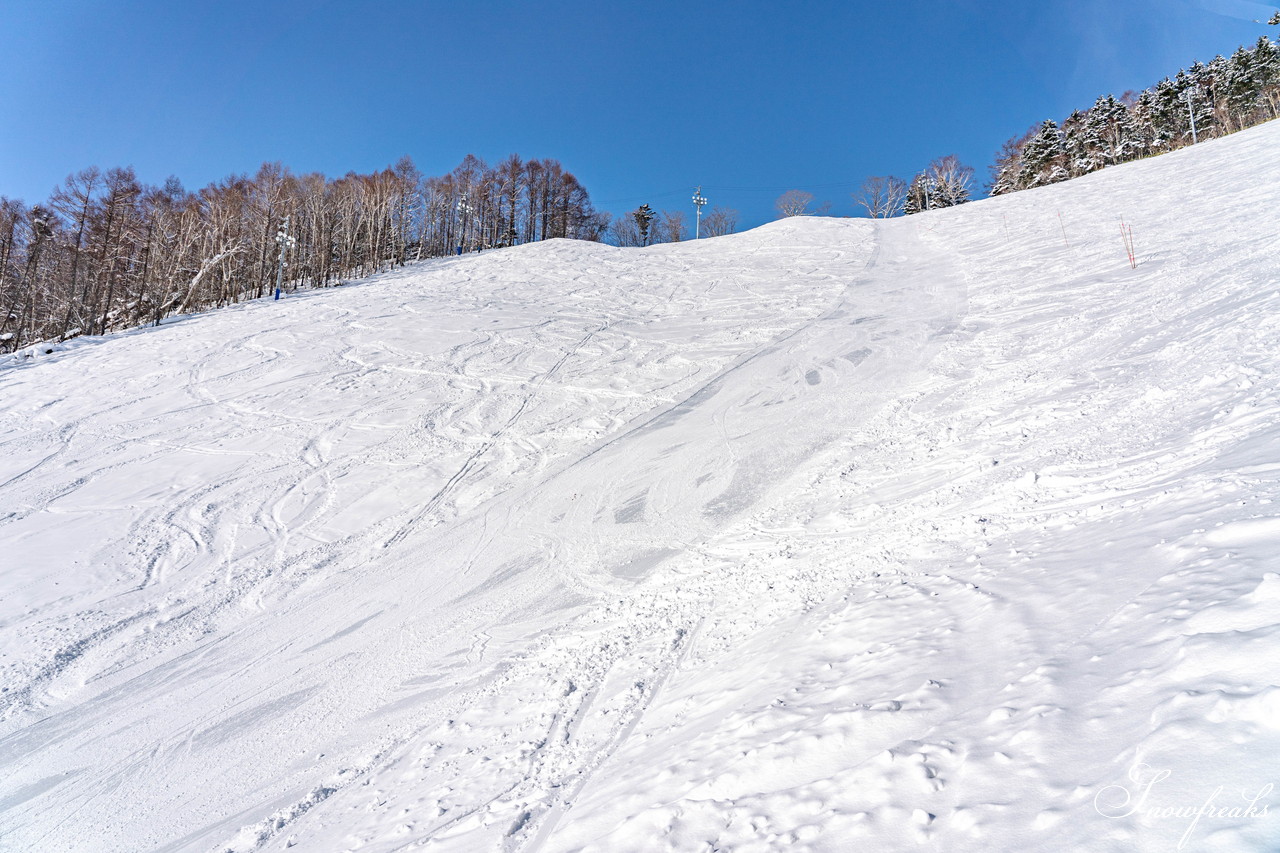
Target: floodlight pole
point(462, 223)
point(464, 217)
point(698, 203)
point(285, 242)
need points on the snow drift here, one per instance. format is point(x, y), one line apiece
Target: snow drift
point(952, 532)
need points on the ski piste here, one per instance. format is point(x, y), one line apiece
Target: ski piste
point(942, 532)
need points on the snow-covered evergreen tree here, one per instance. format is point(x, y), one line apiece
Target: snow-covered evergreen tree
point(1082, 149)
point(1042, 157)
point(1169, 113)
point(918, 195)
point(1241, 86)
point(1203, 97)
point(1109, 131)
point(1143, 117)
point(1266, 65)
point(951, 179)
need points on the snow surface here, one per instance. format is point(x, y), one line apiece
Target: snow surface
point(949, 533)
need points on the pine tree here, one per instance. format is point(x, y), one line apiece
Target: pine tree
point(1109, 130)
point(1042, 157)
point(1266, 63)
point(1082, 149)
point(920, 195)
point(1204, 97)
point(1144, 123)
point(1241, 86)
point(1168, 115)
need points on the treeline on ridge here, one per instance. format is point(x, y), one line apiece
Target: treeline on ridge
point(1198, 103)
point(107, 252)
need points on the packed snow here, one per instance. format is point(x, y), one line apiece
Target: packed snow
point(953, 532)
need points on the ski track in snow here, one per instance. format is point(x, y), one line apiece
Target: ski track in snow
point(921, 534)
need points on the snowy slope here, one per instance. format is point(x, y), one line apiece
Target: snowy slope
point(952, 532)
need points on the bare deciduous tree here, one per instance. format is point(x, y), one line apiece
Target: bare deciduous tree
point(719, 222)
point(670, 227)
point(882, 196)
point(951, 179)
point(793, 203)
point(624, 232)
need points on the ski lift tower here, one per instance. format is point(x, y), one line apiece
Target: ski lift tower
point(698, 203)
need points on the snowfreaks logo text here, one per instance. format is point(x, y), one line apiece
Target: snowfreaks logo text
point(1121, 801)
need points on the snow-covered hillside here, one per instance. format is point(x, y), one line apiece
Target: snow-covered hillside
point(952, 532)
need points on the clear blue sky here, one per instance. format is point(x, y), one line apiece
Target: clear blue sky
point(641, 100)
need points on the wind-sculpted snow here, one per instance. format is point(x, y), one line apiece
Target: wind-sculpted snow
point(952, 532)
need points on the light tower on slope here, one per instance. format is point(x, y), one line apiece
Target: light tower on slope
point(286, 242)
point(698, 203)
point(464, 219)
